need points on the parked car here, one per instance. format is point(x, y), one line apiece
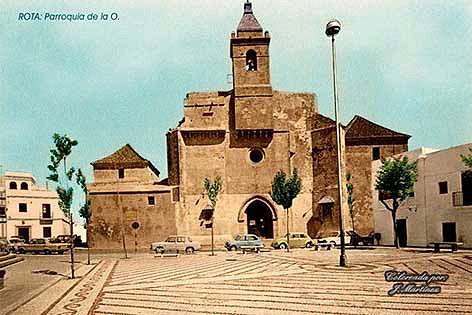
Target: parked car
point(13, 244)
point(244, 241)
point(357, 239)
point(61, 239)
point(42, 245)
point(296, 239)
point(176, 243)
point(334, 239)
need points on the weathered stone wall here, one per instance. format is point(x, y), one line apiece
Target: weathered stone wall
point(131, 174)
point(173, 157)
point(156, 221)
point(254, 113)
point(214, 153)
point(208, 110)
point(325, 182)
point(359, 163)
point(246, 82)
point(231, 206)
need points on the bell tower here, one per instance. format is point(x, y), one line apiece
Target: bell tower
point(251, 73)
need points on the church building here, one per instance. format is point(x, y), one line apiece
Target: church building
point(245, 136)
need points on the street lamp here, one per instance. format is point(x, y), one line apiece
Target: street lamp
point(332, 28)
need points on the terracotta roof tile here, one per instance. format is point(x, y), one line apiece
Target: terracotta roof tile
point(359, 127)
point(249, 22)
point(125, 157)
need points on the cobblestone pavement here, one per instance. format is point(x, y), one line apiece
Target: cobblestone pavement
point(299, 282)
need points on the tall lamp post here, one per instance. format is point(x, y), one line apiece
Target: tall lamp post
point(332, 28)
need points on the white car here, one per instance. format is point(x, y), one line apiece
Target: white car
point(176, 243)
point(334, 239)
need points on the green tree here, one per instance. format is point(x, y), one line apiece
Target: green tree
point(350, 197)
point(212, 190)
point(84, 211)
point(284, 190)
point(395, 179)
point(467, 159)
point(62, 149)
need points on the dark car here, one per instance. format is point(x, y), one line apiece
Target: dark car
point(357, 239)
point(245, 241)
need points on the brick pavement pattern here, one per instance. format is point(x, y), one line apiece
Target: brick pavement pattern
point(300, 282)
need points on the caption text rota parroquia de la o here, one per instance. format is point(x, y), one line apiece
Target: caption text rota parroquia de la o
point(70, 17)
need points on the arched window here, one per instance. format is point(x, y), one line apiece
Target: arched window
point(251, 60)
point(13, 185)
point(24, 186)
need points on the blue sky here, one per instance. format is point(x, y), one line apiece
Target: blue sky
point(404, 64)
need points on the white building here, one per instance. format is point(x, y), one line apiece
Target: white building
point(31, 211)
point(441, 207)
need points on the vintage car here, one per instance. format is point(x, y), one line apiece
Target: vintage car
point(13, 244)
point(176, 243)
point(334, 239)
point(357, 239)
point(296, 239)
point(245, 241)
point(42, 245)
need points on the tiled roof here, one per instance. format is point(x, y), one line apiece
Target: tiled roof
point(249, 22)
point(321, 121)
point(125, 157)
point(359, 127)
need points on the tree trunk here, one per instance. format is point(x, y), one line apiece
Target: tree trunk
point(394, 222)
point(71, 245)
point(212, 239)
point(352, 220)
point(88, 244)
point(288, 234)
point(71, 226)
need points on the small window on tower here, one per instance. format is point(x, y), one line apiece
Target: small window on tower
point(151, 200)
point(443, 188)
point(251, 60)
point(121, 173)
point(375, 153)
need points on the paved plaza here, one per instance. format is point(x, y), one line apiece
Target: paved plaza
point(276, 282)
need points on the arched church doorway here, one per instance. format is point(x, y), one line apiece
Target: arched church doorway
point(259, 219)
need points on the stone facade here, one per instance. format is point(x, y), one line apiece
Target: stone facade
point(245, 136)
point(363, 137)
point(128, 196)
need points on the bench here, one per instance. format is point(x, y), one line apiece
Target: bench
point(320, 245)
point(453, 245)
point(245, 249)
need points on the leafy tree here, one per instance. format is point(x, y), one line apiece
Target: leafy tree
point(467, 159)
point(284, 190)
point(395, 179)
point(350, 197)
point(84, 211)
point(62, 149)
point(212, 190)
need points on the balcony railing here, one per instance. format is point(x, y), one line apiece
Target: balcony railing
point(44, 221)
point(460, 198)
